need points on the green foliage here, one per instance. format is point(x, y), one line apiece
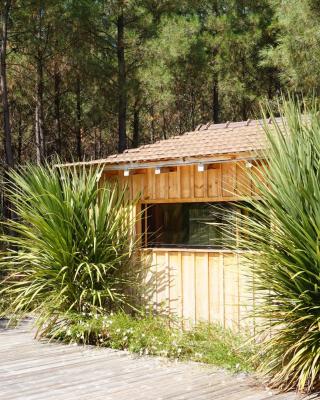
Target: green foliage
point(282, 232)
point(236, 32)
point(297, 50)
point(159, 336)
point(63, 55)
point(71, 248)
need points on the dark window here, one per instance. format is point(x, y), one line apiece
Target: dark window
point(189, 225)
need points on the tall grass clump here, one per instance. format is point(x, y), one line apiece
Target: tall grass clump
point(281, 232)
point(70, 250)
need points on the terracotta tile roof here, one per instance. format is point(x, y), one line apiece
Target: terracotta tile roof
point(207, 140)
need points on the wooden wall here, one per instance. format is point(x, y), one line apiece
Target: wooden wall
point(219, 182)
point(199, 286)
point(195, 285)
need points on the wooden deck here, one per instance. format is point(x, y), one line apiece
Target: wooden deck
point(30, 370)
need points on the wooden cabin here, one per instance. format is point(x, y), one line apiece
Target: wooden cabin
point(191, 270)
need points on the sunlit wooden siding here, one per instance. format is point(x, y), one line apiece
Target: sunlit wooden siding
point(195, 285)
point(199, 286)
point(219, 182)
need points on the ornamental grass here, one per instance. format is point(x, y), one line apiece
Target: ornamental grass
point(281, 233)
point(70, 248)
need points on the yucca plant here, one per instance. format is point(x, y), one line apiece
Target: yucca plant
point(71, 250)
point(281, 236)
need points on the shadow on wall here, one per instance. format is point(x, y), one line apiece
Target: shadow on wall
point(154, 287)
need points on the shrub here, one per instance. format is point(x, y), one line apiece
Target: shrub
point(282, 232)
point(159, 336)
point(71, 248)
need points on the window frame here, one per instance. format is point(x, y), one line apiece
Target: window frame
point(146, 244)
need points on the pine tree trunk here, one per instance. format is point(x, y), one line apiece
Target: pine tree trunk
point(79, 118)
point(193, 110)
point(4, 88)
point(100, 143)
point(57, 113)
point(164, 125)
point(215, 80)
point(153, 128)
point(215, 101)
point(20, 137)
point(244, 109)
point(39, 111)
point(136, 128)
point(9, 162)
point(122, 92)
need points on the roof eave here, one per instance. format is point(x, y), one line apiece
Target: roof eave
point(171, 162)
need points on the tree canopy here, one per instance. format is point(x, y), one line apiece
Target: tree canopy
point(87, 78)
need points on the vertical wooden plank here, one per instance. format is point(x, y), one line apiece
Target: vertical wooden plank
point(205, 183)
point(238, 290)
point(228, 179)
point(231, 291)
point(174, 276)
point(223, 288)
point(179, 182)
point(180, 285)
point(135, 183)
point(145, 185)
point(173, 185)
point(167, 282)
point(149, 183)
point(202, 294)
point(243, 180)
point(162, 282)
point(154, 272)
point(138, 183)
point(188, 288)
point(129, 180)
point(245, 295)
point(258, 170)
point(120, 179)
point(192, 180)
point(216, 305)
point(209, 292)
point(185, 182)
point(214, 181)
point(150, 279)
point(164, 186)
point(200, 183)
point(146, 261)
point(123, 182)
point(199, 286)
point(138, 216)
point(156, 189)
point(168, 279)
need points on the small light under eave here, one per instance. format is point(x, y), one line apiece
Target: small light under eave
point(249, 164)
point(126, 172)
point(157, 170)
point(201, 167)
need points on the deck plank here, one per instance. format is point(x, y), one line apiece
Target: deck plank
point(33, 370)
